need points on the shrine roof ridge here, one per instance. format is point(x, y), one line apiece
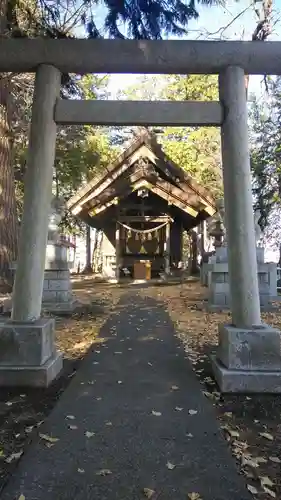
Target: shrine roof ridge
point(147, 138)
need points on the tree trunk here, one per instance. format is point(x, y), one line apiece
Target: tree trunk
point(194, 253)
point(88, 268)
point(8, 215)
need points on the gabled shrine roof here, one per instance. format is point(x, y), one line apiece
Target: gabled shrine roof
point(143, 164)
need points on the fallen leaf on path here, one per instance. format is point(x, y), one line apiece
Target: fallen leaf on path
point(70, 417)
point(252, 462)
point(81, 471)
point(148, 493)
point(48, 438)
point(207, 394)
point(89, 434)
point(150, 364)
point(175, 388)
point(192, 412)
point(189, 435)
point(8, 403)
point(266, 481)
point(178, 408)
point(231, 432)
point(103, 472)
point(252, 489)
point(170, 466)
point(14, 456)
point(118, 352)
point(49, 445)
point(73, 427)
point(266, 435)
point(21, 497)
point(120, 382)
point(156, 413)
point(276, 460)
point(108, 423)
point(269, 492)
point(228, 414)
point(194, 496)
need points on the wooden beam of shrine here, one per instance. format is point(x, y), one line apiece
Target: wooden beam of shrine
point(97, 210)
point(185, 195)
point(172, 200)
point(144, 218)
point(139, 56)
point(187, 185)
point(166, 191)
point(93, 189)
point(189, 197)
point(143, 113)
point(169, 197)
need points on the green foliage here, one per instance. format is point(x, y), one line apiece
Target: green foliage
point(195, 149)
point(192, 88)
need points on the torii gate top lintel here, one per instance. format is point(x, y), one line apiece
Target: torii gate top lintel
point(139, 56)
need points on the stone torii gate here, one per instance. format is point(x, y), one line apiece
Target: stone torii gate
point(248, 357)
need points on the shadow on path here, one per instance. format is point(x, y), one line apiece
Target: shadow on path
point(134, 393)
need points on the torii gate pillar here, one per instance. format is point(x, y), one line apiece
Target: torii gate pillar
point(27, 351)
point(248, 358)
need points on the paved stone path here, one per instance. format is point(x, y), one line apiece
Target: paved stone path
point(134, 393)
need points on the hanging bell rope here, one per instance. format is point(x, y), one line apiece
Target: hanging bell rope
point(144, 231)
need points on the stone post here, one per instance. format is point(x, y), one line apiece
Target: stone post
point(248, 357)
point(117, 252)
point(238, 201)
point(167, 248)
point(27, 350)
point(57, 291)
point(28, 288)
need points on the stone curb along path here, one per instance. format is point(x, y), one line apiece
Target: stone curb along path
point(133, 424)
